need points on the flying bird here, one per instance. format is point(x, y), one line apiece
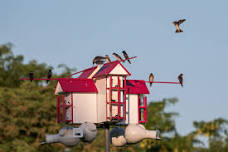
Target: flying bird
point(117, 57)
point(31, 76)
point(126, 56)
point(177, 25)
point(49, 75)
point(107, 59)
point(180, 78)
point(98, 60)
point(151, 79)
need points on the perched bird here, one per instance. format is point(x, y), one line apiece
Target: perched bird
point(107, 59)
point(126, 56)
point(151, 78)
point(98, 60)
point(180, 78)
point(177, 25)
point(31, 76)
point(117, 57)
point(49, 75)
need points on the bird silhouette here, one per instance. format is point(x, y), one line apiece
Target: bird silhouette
point(177, 25)
point(117, 57)
point(180, 78)
point(31, 76)
point(49, 75)
point(126, 56)
point(98, 60)
point(151, 78)
point(107, 59)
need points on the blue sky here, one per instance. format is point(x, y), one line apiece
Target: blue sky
point(73, 32)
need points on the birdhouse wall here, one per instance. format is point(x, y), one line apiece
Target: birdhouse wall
point(101, 99)
point(118, 70)
point(85, 107)
point(58, 89)
point(132, 109)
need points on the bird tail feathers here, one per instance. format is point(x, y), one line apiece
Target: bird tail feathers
point(178, 31)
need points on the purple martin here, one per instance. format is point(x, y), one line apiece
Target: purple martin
point(117, 57)
point(180, 78)
point(31, 76)
point(107, 59)
point(98, 60)
point(126, 56)
point(151, 78)
point(177, 25)
point(49, 75)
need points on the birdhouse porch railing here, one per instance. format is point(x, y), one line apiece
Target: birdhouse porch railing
point(116, 97)
point(65, 108)
point(142, 111)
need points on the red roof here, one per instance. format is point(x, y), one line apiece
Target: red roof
point(137, 87)
point(107, 68)
point(86, 73)
point(77, 85)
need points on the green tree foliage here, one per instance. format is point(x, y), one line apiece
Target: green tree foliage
point(28, 112)
point(12, 68)
point(27, 109)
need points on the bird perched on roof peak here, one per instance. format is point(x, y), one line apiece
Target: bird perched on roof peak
point(177, 25)
point(126, 56)
point(117, 57)
point(180, 78)
point(107, 59)
point(98, 60)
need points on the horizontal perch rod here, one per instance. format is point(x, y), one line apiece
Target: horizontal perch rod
point(162, 82)
point(113, 61)
point(42, 79)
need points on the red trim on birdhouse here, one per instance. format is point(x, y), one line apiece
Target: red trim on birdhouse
point(136, 87)
point(106, 98)
point(110, 97)
point(87, 72)
point(58, 109)
point(142, 110)
point(107, 68)
point(125, 92)
point(77, 85)
point(118, 97)
point(121, 105)
point(72, 113)
point(64, 108)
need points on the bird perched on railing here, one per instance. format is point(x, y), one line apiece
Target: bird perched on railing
point(180, 78)
point(126, 56)
point(117, 57)
point(31, 76)
point(177, 25)
point(49, 75)
point(151, 78)
point(98, 60)
point(107, 59)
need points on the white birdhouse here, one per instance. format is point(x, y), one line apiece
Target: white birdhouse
point(100, 94)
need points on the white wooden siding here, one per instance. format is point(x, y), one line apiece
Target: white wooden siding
point(84, 105)
point(101, 99)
